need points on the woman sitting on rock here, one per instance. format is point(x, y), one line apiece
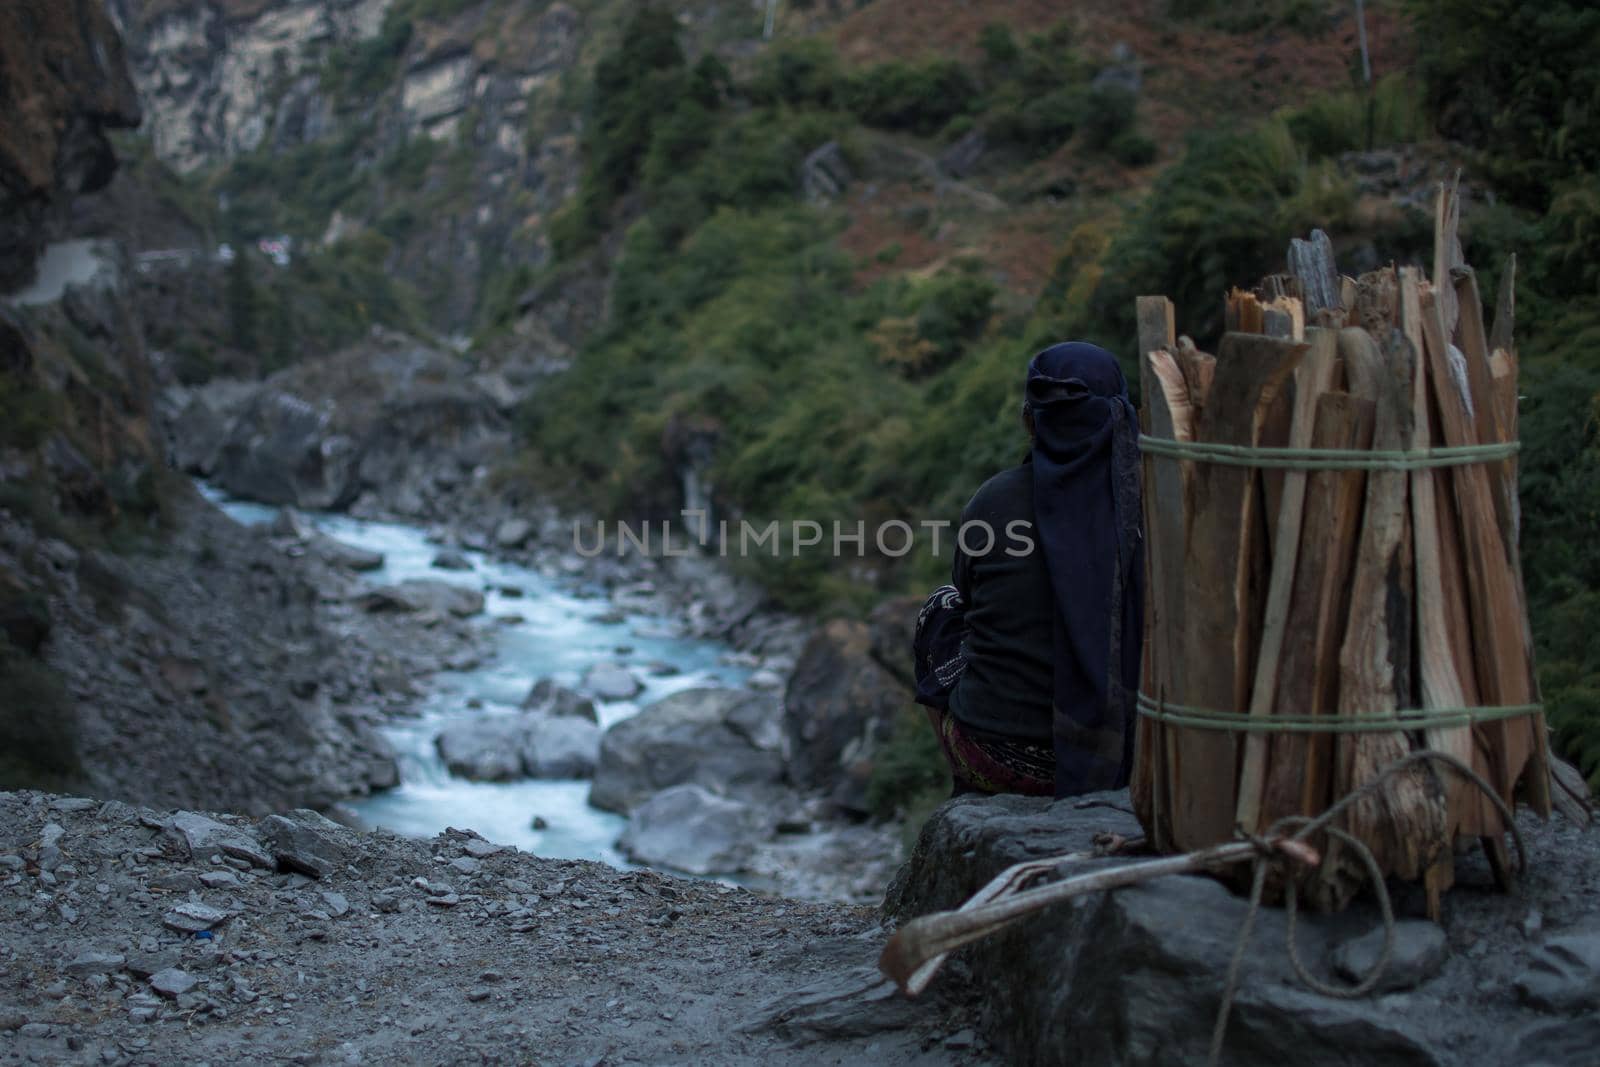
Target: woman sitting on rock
point(1029, 662)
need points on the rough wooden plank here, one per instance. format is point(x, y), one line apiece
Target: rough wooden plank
point(1312, 378)
point(1472, 340)
point(1163, 521)
point(1218, 606)
point(1307, 680)
point(1242, 312)
point(1443, 662)
point(1502, 646)
point(1404, 821)
point(1199, 370)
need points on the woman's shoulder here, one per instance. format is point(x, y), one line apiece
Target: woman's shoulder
point(1005, 492)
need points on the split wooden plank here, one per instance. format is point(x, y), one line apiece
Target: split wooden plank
point(1312, 378)
point(1199, 370)
point(1242, 312)
point(1219, 604)
point(1503, 379)
point(1307, 684)
point(1444, 650)
point(1473, 343)
point(1163, 521)
point(1501, 646)
point(1404, 822)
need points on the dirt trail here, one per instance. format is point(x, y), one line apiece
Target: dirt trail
point(404, 951)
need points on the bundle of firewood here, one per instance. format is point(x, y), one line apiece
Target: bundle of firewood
point(1331, 516)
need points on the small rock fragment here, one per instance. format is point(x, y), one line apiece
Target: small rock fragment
point(191, 917)
point(172, 983)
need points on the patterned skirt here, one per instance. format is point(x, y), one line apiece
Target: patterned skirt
point(990, 764)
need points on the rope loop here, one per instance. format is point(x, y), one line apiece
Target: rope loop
point(1274, 852)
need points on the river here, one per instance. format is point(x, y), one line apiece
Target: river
point(563, 630)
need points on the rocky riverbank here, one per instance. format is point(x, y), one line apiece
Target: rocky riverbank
point(768, 783)
point(143, 937)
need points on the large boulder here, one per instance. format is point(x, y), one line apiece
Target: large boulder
point(839, 709)
point(504, 748)
point(425, 594)
point(283, 450)
point(894, 626)
point(481, 751)
point(611, 681)
point(1135, 976)
point(550, 698)
point(710, 737)
point(688, 828)
point(294, 526)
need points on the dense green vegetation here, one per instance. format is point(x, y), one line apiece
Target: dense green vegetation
point(734, 310)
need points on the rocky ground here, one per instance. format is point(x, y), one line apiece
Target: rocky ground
point(244, 673)
point(138, 937)
point(1136, 976)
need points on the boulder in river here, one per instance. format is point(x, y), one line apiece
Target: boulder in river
point(840, 706)
point(513, 533)
point(504, 748)
point(282, 450)
point(481, 751)
point(425, 594)
point(711, 737)
point(450, 560)
point(691, 829)
point(611, 681)
point(549, 698)
point(292, 524)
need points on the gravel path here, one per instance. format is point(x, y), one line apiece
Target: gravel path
point(131, 936)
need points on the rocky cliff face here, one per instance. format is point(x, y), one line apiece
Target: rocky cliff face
point(449, 122)
point(150, 648)
point(63, 82)
point(217, 70)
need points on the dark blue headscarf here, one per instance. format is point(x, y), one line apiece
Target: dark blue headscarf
point(1087, 512)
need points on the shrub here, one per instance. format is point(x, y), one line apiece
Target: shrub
point(28, 411)
point(1133, 149)
point(369, 67)
point(1001, 53)
point(1350, 121)
point(921, 97)
point(798, 73)
point(909, 774)
point(1037, 125)
point(1109, 113)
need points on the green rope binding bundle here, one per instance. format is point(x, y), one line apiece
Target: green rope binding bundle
point(1385, 722)
point(1327, 459)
